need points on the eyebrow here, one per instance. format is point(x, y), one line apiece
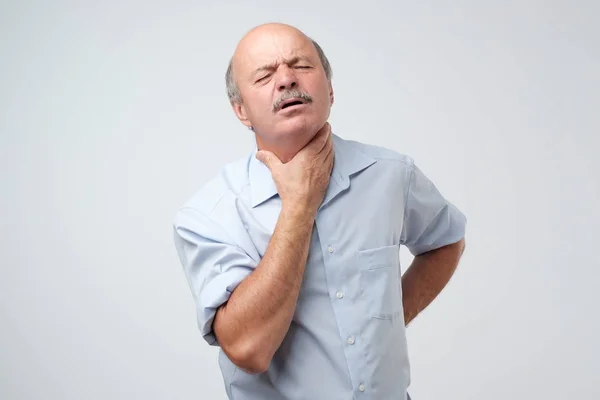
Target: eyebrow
point(273, 65)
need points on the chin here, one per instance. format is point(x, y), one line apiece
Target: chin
point(300, 127)
point(292, 129)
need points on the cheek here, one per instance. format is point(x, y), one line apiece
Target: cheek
point(322, 96)
point(322, 90)
point(259, 104)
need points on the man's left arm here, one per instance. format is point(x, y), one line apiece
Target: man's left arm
point(427, 275)
point(433, 231)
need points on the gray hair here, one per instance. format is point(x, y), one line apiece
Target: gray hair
point(233, 91)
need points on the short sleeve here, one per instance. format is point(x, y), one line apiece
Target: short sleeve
point(430, 221)
point(213, 265)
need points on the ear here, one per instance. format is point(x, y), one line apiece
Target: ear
point(240, 112)
point(331, 97)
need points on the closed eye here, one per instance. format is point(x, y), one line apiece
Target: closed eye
point(262, 79)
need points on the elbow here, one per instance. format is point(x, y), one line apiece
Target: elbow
point(255, 368)
point(248, 356)
point(249, 351)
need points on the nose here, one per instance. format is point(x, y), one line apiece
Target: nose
point(286, 78)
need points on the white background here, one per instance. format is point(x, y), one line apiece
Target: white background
point(113, 113)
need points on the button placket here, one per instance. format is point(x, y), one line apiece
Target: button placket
point(342, 304)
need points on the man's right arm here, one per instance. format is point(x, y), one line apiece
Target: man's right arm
point(251, 326)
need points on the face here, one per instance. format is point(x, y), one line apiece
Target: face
point(286, 96)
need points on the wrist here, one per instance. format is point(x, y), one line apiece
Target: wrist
point(299, 213)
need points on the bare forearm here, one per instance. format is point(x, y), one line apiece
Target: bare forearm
point(427, 276)
point(252, 324)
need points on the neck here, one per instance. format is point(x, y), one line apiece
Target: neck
point(283, 155)
point(284, 149)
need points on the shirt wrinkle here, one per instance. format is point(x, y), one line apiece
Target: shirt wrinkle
point(347, 339)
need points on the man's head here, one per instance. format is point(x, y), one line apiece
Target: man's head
point(279, 84)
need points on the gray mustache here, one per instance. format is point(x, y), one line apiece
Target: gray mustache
point(292, 94)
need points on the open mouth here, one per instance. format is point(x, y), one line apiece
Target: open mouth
point(291, 103)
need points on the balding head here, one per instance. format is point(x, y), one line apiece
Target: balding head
point(279, 84)
point(233, 91)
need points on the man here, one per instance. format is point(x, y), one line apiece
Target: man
point(292, 254)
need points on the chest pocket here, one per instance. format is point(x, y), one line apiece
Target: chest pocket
point(380, 270)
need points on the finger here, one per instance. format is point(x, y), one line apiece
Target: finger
point(327, 145)
point(332, 163)
point(325, 129)
point(268, 158)
point(329, 155)
point(329, 163)
point(326, 157)
point(317, 143)
point(323, 139)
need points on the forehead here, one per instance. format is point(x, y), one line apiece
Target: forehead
point(269, 47)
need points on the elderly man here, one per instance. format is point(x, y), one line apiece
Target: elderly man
point(292, 253)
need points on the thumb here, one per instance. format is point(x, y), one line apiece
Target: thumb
point(267, 158)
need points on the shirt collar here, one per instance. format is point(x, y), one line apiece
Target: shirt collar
point(348, 160)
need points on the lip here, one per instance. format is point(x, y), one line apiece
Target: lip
point(291, 107)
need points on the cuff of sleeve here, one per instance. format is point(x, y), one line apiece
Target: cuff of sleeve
point(449, 227)
point(215, 294)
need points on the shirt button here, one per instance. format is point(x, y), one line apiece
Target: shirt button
point(330, 249)
point(350, 340)
point(339, 294)
point(361, 387)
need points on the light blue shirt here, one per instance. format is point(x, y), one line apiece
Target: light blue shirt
point(347, 338)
